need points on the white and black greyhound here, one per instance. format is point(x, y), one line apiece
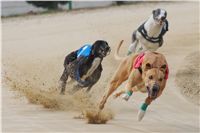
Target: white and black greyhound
point(149, 36)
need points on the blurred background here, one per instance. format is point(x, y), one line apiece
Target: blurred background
point(13, 8)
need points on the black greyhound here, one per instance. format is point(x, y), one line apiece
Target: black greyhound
point(84, 65)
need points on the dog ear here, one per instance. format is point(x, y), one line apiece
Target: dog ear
point(156, 12)
point(95, 47)
point(166, 14)
point(153, 12)
point(163, 67)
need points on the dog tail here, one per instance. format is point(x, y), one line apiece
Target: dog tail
point(117, 57)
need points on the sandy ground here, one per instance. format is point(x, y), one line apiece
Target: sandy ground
point(33, 51)
point(185, 76)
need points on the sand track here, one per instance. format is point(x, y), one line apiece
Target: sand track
point(33, 49)
point(187, 77)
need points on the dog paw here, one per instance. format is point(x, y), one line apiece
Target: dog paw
point(116, 95)
point(62, 93)
point(141, 114)
point(125, 96)
point(101, 105)
point(83, 78)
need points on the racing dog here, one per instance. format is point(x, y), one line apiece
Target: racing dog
point(149, 35)
point(84, 65)
point(145, 72)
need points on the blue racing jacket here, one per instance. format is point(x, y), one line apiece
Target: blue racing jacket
point(82, 54)
point(84, 51)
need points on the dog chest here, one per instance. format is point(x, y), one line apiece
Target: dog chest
point(145, 45)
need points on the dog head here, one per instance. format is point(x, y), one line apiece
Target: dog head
point(159, 15)
point(154, 79)
point(101, 48)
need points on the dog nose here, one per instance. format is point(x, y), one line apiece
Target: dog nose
point(108, 50)
point(155, 88)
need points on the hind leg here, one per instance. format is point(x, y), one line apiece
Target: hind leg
point(63, 81)
point(119, 77)
point(112, 87)
point(89, 88)
point(71, 81)
point(76, 88)
point(133, 45)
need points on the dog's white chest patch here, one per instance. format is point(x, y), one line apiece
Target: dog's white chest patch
point(146, 45)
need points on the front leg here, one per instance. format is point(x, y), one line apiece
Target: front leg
point(134, 79)
point(96, 62)
point(143, 108)
point(147, 102)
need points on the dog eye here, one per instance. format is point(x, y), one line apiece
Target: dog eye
point(160, 79)
point(151, 77)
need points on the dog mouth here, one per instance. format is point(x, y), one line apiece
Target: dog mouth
point(153, 92)
point(105, 52)
point(161, 20)
point(108, 51)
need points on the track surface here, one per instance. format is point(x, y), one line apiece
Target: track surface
point(50, 37)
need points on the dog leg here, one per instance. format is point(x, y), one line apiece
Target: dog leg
point(143, 108)
point(133, 46)
point(89, 88)
point(71, 81)
point(94, 66)
point(113, 86)
point(133, 80)
point(147, 102)
point(127, 93)
point(118, 94)
point(120, 76)
point(76, 88)
point(63, 81)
